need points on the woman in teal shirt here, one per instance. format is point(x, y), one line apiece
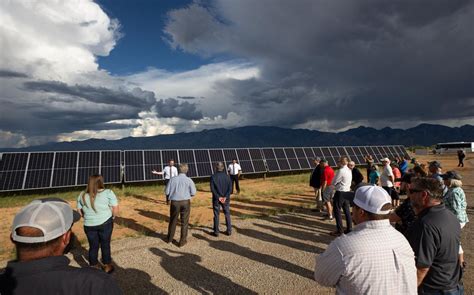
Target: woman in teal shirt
point(98, 206)
point(374, 175)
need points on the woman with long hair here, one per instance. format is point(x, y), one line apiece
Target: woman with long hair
point(455, 200)
point(98, 206)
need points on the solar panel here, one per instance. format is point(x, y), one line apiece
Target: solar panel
point(152, 159)
point(134, 166)
point(62, 169)
point(328, 155)
point(187, 156)
point(359, 152)
point(292, 159)
point(245, 161)
point(257, 160)
point(403, 151)
point(281, 159)
point(65, 169)
point(39, 171)
point(12, 171)
point(342, 151)
point(374, 152)
point(204, 164)
point(111, 166)
point(270, 159)
point(302, 159)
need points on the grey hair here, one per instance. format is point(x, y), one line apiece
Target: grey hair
point(455, 183)
point(220, 166)
point(183, 168)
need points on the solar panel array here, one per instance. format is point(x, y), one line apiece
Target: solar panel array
point(38, 170)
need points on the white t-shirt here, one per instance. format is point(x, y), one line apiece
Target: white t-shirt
point(234, 169)
point(384, 177)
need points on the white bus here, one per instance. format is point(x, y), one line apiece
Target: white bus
point(453, 147)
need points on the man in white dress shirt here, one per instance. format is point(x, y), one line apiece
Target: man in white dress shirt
point(168, 172)
point(234, 170)
point(373, 259)
point(342, 196)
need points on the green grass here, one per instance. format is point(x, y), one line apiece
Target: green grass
point(21, 200)
point(130, 191)
point(291, 179)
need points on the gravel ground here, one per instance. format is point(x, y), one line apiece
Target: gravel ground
point(275, 255)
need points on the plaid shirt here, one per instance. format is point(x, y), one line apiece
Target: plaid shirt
point(455, 200)
point(373, 259)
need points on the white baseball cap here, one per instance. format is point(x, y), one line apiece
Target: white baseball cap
point(53, 216)
point(372, 198)
point(385, 160)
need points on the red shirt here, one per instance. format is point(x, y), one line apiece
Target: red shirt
point(327, 175)
point(396, 174)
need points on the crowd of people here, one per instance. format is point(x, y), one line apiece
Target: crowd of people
point(408, 248)
point(394, 248)
point(42, 232)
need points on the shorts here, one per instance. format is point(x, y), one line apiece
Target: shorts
point(328, 194)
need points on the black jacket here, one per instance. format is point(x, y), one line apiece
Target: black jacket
point(315, 180)
point(53, 275)
point(357, 177)
point(221, 186)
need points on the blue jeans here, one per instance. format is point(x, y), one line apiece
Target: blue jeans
point(459, 290)
point(100, 236)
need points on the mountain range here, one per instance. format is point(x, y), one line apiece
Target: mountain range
point(260, 136)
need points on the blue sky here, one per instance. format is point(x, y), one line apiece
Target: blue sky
point(142, 44)
point(312, 64)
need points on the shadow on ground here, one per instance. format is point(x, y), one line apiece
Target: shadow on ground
point(259, 257)
point(185, 268)
point(130, 280)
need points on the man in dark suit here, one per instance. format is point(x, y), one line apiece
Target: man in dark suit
point(221, 187)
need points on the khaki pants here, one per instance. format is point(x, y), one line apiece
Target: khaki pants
point(319, 199)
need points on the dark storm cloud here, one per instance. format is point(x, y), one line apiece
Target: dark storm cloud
point(12, 74)
point(49, 108)
point(170, 107)
point(339, 61)
point(134, 98)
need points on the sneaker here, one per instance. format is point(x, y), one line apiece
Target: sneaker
point(182, 243)
point(229, 233)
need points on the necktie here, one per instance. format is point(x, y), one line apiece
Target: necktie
point(233, 169)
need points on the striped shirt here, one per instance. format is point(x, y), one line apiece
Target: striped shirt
point(373, 259)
